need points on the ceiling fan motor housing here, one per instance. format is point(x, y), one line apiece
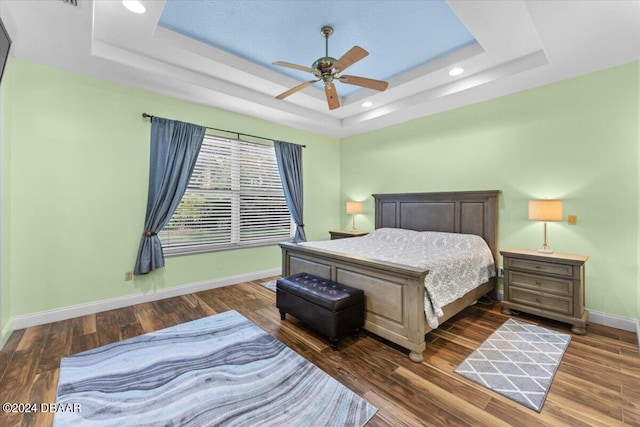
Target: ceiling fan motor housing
point(324, 69)
point(324, 64)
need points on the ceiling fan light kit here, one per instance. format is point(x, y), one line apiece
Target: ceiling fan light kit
point(327, 69)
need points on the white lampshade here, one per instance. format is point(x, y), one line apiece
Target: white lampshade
point(545, 210)
point(354, 208)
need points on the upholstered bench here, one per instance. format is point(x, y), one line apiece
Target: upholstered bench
point(332, 309)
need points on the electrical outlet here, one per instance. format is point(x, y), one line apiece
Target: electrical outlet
point(128, 276)
point(573, 219)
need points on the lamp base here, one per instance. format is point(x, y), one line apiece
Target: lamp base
point(546, 249)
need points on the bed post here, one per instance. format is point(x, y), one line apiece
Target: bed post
point(414, 306)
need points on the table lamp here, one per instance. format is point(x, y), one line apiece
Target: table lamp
point(354, 208)
point(545, 210)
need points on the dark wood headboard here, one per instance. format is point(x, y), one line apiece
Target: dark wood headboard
point(470, 212)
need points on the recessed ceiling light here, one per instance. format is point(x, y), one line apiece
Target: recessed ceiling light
point(134, 6)
point(367, 104)
point(456, 71)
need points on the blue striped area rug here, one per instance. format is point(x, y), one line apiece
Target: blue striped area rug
point(221, 370)
point(518, 360)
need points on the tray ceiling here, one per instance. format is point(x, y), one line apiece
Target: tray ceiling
point(219, 53)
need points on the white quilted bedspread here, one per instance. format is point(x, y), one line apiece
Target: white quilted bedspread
point(457, 262)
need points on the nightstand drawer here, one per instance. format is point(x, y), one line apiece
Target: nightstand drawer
point(540, 267)
point(541, 301)
point(539, 283)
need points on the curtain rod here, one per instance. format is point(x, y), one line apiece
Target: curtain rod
point(145, 115)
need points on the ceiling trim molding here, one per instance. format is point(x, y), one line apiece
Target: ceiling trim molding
point(519, 45)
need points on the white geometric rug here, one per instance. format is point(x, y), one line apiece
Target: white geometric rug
point(518, 360)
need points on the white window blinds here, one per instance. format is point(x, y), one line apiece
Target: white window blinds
point(234, 199)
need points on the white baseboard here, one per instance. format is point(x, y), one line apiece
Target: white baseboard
point(6, 331)
point(606, 319)
point(614, 321)
point(43, 317)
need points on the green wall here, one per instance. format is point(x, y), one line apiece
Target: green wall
point(76, 153)
point(74, 166)
point(576, 140)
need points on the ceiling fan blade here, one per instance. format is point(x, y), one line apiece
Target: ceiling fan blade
point(332, 96)
point(294, 66)
point(365, 82)
point(354, 55)
point(293, 90)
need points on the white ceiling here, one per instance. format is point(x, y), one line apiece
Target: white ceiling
point(519, 45)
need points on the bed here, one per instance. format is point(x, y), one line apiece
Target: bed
point(395, 293)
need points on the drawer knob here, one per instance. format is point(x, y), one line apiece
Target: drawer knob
point(537, 299)
point(538, 282)
point(538, 267)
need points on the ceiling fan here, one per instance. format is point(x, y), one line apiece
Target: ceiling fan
point(328, 69)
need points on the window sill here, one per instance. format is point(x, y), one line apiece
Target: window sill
point(175, 252)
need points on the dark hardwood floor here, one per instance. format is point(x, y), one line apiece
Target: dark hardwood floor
point(597, 383)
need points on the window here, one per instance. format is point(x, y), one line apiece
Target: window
point(234, 199)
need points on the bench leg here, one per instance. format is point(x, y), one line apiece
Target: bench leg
point(333, 342)
point(283, 315)
point(356, 334)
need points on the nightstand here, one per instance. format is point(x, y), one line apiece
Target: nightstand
point(343, 234)
point(547, 285)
